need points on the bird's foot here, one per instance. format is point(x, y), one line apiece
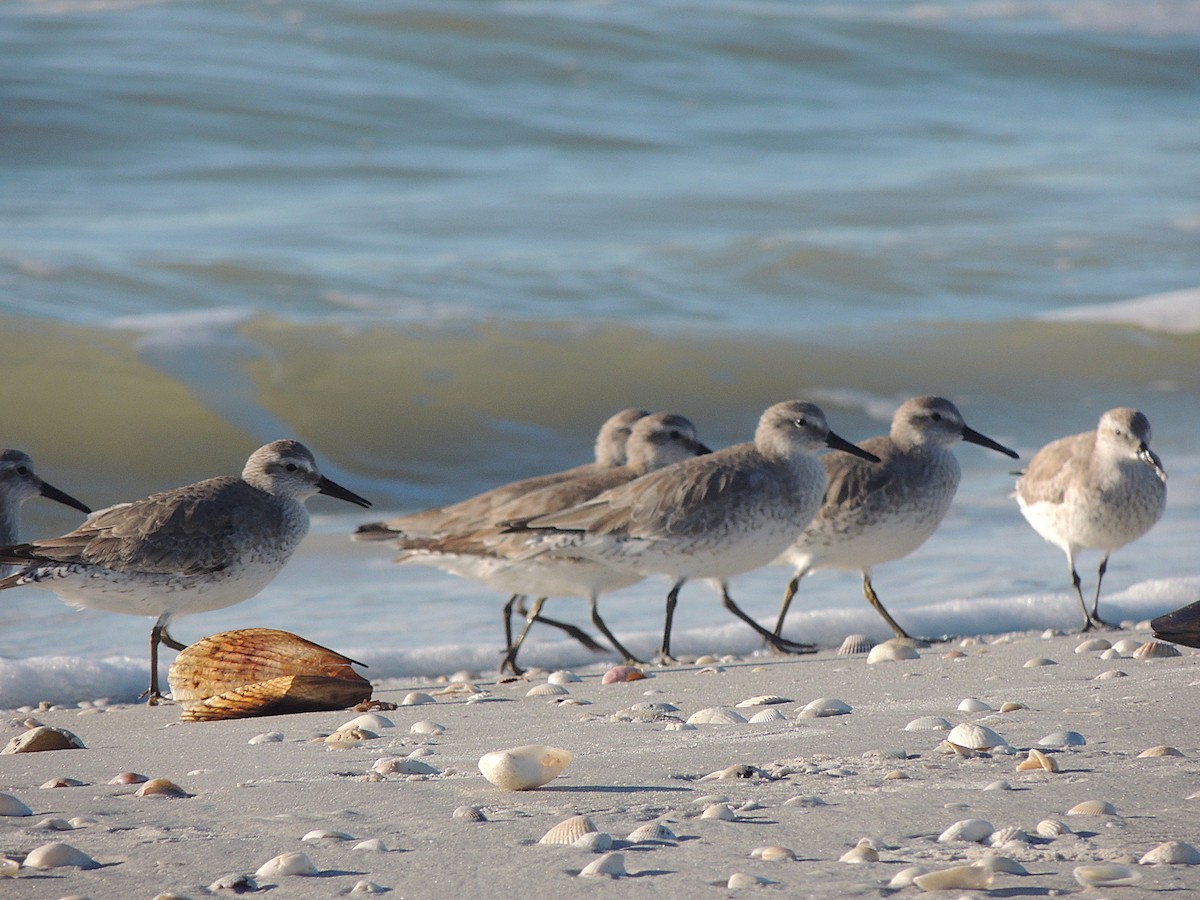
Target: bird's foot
point(665, 659)
point(1095, 623)
point(781, 646)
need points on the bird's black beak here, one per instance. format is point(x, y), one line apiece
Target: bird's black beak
point(1150, 458)
point(50, 492)
point(702, 449)
point(333, 489)
point(836, 442)
point(971, 436)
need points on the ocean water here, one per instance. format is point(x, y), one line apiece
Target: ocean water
point(441, 242)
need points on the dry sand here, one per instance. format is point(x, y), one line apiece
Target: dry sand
point(816, 786)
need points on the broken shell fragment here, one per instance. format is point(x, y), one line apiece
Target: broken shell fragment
point(1037, 761)
point(161, 787)
point(403, 765)
point(1001, 865)
point(610, 865)
point(523, 768)
point(959, 877)
point(1092, 808)
point(57, 855)
point(904, 878)
point(43, 738)
point(568, 831)
point(1105, 874)
point(1172, 853)
point(969, 830)
point(287, 864)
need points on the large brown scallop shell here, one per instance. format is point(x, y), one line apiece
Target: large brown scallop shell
point(262, 672)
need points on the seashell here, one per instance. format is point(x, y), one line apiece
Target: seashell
point(853, 644)
point(345, 738)
point(562, 676)
point(1172, 853)
point(568, 831)
point(238, 883)
point(954, 654)
point(128, 778)
point(1012, 706)
point(1156, 650)
point(622, 674)
point(369, 722)
point(973, 878)
point(739, 880)
point(972, 704)
point(824, 707)
point(456, 687)
point(721, 811)
point(546, 689)
point(928, 723)
point(262, 672)
point(1038, 662)
point(523, 768)
point(970, 830)
point(1052, 828)
point(267, 737)
point(1126, 646)
point(52, 824)
point(716, 715)
point(594, 842)
point(80, 821)
point(767, 715)
point(1002, 836)
point(763, 700)
point(651, 831)
point(892, 651)
point(43, 738)
point(1160, 750)
point(287, 864)
point(1112, 673)
point(737, 770)
point(57, 855)
point(678, 726)
point(11, 806)
point(896, 775)
point(161, 787)
point(367, 887)
point(61, 782)
point(772, 853)
point(1063, 739)
point(998, 786)
point(1038, 761)
point(323, 835)
point(862, 852)
point(467, 813)
point(974, 737)
point(403, 765)
point(1093, 645)
point(1110, 653)
point(426, 727)
point(611, 865)
point(1105, 874)
point(1000, 865)
point(1092, 808)
point(371, 845)
point(904, 878)
point(417, 698)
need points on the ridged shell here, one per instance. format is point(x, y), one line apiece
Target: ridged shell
point(568, 831)
point(546, 689)
point(973, 704)
point(611, 865)
point(1105, 874)
point(1060, 739)
point(1002, 836)
point(262, 672)
point(1093, 645)
point(855, 644)
point(523, 768)
point(1156, 650)
point(1092, 808)
point(824, 707)
point(43, 738)
point(974, 737)
point(651, 831)
point(287, 864)
point(11, 806)
point(162, 787)
point(892, 651)
point(929, 723)
point(767, 715)
point(1172, 853)
point(57, 855)
point(467, 813)
point(562, 676)
point(716, 715)
point(1038, 761)
point(1052, 828)
point(1160, 750)
point(973, 878)
point(970, 830)
point(763, 700)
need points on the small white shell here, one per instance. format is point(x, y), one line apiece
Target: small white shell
point(651, 831)
point(1093, 645)
point(562, 676)
point(892, 651)
point(970, 830)
point(467, 813)
point(425, 726)
point(371, 845)
point(416, 698)
point(11, 806)
point(267, 737)
point(1062, 739)
point(716, 715)
point(568, 831)
point(966, 877)
point(855, 644)
point(1001, 865)
point(721, 811)
point(1038, 662)
point(740, 880)
point(1002, 836)
point(1052, 828)
point(1111, 673)
point(862, 852)
point(1160, 750)
point(973, 704)
point(51, 823)
point(1156, 650)
point(369, 722)
point(42, 738)
point(403, 765)
point(1110, 653)
point(767, 715)
point(763, 700)
point(57, 855)
point(1172, 853)
point(367, 887)
point(1038, 761)
point(904, 878)
point(772, 853)
point(594, 842)
point(975, 737)
point(1126, 645)
point(1092, 808)
point(524, 768)
point(611, 865)
point(287, 864)
point(1001, 785)
point(1105, 874)
point(324, 835)
point(824, 707)
point(929, 723)
point(546, 689)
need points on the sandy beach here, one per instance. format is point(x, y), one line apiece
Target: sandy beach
point(815, 786)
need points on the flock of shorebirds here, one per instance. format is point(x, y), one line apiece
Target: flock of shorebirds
point(655, 501)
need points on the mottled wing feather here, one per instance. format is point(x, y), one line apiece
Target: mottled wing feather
point(854, 482)
point(1054, 468)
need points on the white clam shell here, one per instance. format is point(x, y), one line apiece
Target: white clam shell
point(324, 835)
point(651, 831)
point(42, 738)
point(1002, 865)
point(524, 768)
point(562, 676)
point(546, 689)
point(287, 864)
point(611, 865)
point(974, 878)
point(773, 853)
point(371, 845)
point(823, 707)
point(11, 806)
point(425, 726)
point(57, 855)
point(767, 715)
point(764, 700)
point(568, 831)
point(1126, 646)
point(721, 811)
point(416, 698)
point(862, 852)
point(716, 715)
point(1105, 874)
point(594, 842)
point(267, 737)
point(970, 830)
point(929, 723)
point(1172, 853)
point(1160, 750)
point(1002, 836)
point(892, 651)
point(1092, 808)
point(853, 644)
point(739, 880)
point(1061, 739)
point(1038, 662)
point(403, 765)
point(975, 737)
point(1093, 645)
point(367, 887)
point(369, 722)
point(974, 704)
point(904, 878)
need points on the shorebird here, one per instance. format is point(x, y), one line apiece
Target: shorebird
point(488, 554)
point(475, 512)
point(712, 517)
point(18, 483)
point(1098, 490)
point(873, 514)
point(192, 549)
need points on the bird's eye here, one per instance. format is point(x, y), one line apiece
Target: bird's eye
point(802, 423)
point(291, 467)
point(937, 417)
point(674, 435)
point(22, 470)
